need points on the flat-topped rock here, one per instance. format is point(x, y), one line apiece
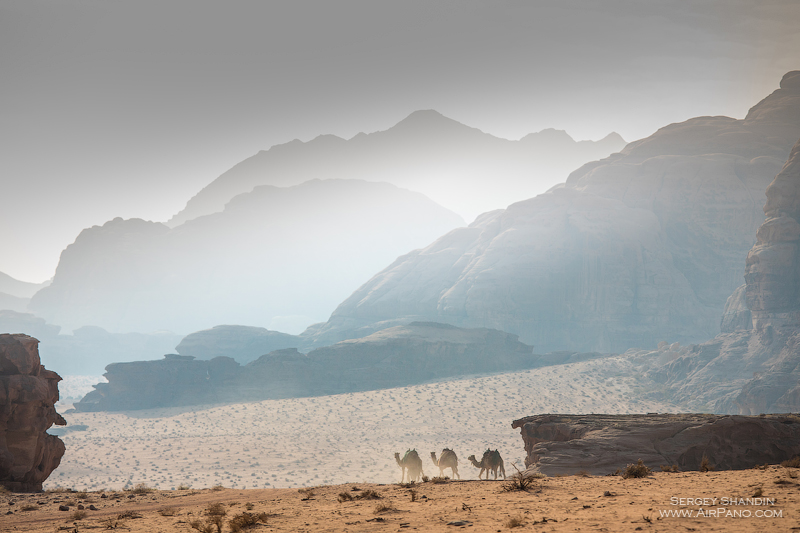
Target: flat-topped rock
point(601, 444)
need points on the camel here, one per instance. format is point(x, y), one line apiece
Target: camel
point(412, 463)
point(491, 460)
point(449, 460)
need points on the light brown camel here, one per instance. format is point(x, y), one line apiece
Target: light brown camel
point(412, 463)
point(491, 460)
point(449, 460)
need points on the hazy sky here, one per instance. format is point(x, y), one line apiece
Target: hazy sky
point(128, 108)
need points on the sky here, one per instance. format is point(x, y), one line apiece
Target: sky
point(128, 108)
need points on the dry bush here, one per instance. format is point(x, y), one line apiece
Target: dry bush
point(202, 527)
point(705, 464)
point(636, 470)
point(4, 489)
point(79, 514)
point(306, 492)
point(369, 494)
point(141, 488)
point(82, 495)
point(406, 485)
point(218, 487)
point(246, 521)
point(521, 481)
point(249, 506)
point(216, 509)
point(425, 478)
point(128, 514)
point(440, 479)
point(583, 473)
point(384, 508)
point(667, 468)
point(794, 462)
point(413, 494)
point(184, 486)
point(514, 521)
point(344, 496)
point(758, 493)
point(29, 507)
point(169, 511)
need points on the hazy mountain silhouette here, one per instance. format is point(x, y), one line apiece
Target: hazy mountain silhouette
point(281, 257)
point(459, 167)
point(643, 246)
point(15, 294)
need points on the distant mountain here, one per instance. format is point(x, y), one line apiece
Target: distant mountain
point(643, 246)
point(459, 167)
point(277, 257)
point(20, 289)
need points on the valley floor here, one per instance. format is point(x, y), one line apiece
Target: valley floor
point(556, 504)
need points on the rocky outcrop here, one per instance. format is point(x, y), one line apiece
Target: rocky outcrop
point(242, 343)
point(28, 393)
point(602, 444)
point(281, 257)
point(642, 246)
point(459, 167)
point(397, 356)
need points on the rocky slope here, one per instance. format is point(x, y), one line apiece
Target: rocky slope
point(426, 152)
point(280, 257)
point(643, 246)
point(601, 444)
point(396, 356)
point(28, 394)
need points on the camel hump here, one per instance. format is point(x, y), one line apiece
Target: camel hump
point(411, 454)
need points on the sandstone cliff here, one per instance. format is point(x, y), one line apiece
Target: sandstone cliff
point(642, 246)
point(601, 444)
point(397, 356)
point(242, 343)
point(28, 393)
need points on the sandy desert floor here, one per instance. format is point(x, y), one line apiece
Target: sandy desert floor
point(333, 439)
point(554, 504)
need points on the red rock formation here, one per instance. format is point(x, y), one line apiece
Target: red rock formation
point(28, 394)
point(600, 444)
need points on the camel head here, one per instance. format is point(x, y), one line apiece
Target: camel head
point(433, 457)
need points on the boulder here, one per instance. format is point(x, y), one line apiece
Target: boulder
point(28, 393)
point(602, 444)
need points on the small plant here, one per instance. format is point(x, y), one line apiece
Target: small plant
point(438, 480)
point(82, 495)
point(79, 514)
point(4, 489)
point(369, 494)
point(307, 493)
point(344, 496)
point(141, 488)
point(794, 462)
point(216, 512)
point(184, 486)
point(583, 473)
point(246, 521)
point(29, 507)
point(758, 493)
point(667, 468)
point(514, 521)
point(521, 481)
point(413, 494)
point(425, 479)
point(168, 511)
point(217, 488)
point(705, 464)
point(128, 514)
point(249, 506)
point(636, 470)
point(384, 508)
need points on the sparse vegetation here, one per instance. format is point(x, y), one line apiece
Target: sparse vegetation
point(440, 479)
point(758, 493)
point(413, 494)
point(141, 488)
point(521, 481)
point(384, 508)
point(307, 492)
point(78, 514)
point(637, 470)
point(29, 507)
point(668, 468)
point(705, 464)
point(217, 488)
point(344, 496)
point(168, 511)
point(425, 479)
point(246, 520)
point(184, 486)
point(794, 462)
point(514, 521)
point(583, 473)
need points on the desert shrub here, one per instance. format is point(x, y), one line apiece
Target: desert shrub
point(425, 479)
point(82, 495)
point(246, 521)
point(667, 468)
point(128, 514)
point(202, 527)
point(306, 492)
point(384, 508)
point(183, 486)
point(705, 464)
point(217, 488)
point(758, 493)
point(78, 514)
point(216, 513)
point(521, 481)
point(216, 509)
point(369, 494)
point(792, 463)
point(168, 511)
point(413, 494)
point(29, 507)
point(141, 488)
point(249, 506)
point(583, 473)
point(514, 521)
point(636, 470)
point(344, 496)
point(440, 479)
point(4, 489)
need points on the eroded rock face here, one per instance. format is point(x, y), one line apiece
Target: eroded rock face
point(601, 444)
point(28, 394)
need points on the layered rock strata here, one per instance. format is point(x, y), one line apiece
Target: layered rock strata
point(28, 393)
point(602, 444)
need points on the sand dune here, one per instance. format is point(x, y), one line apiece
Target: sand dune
point(334, 439)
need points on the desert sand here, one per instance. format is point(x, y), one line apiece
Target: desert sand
point(554, 504)
point(333, 439)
